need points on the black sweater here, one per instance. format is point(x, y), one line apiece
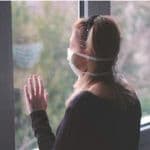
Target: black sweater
point(92, 123)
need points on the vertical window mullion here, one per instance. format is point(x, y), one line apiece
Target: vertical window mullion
point(89, 8)
point(6, 79)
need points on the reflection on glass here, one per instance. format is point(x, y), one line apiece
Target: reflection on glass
point(134, 60)
point(41, 33)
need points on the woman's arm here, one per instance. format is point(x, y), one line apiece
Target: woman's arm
point(36, 100)
point(42, 130)
point(68, 135)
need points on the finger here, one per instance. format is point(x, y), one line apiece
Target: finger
point(45, 95)
point(31, 84)
point(27, 94)
point(27, 100)
point(41, 87)
point(37, 85)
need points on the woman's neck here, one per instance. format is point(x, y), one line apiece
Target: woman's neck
point(99, 88)
point(83, 83)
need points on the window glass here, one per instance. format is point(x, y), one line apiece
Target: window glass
point(134, 21)
point(41, 32)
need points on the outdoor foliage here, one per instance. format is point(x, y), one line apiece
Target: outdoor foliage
point(134, 21)
point(42, 22)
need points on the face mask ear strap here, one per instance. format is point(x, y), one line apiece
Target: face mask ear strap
point(93, 58)
point(71, 52)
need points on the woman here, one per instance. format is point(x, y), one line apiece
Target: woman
point(102, 113)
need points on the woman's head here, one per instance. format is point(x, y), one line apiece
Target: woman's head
point(99, 37)
point(96, 37)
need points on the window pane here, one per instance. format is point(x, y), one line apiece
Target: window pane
point(134, 21)
point(41, 33)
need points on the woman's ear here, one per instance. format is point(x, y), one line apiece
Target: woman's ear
point(81, 63)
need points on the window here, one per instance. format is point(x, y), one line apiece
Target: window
point(41, 33)
point(134, 21)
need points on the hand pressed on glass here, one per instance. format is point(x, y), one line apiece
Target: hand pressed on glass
point(36, 95)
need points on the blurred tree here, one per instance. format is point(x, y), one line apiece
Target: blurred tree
point(134, 20)
point(54, 28)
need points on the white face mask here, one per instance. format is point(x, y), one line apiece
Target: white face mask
point(78, 72)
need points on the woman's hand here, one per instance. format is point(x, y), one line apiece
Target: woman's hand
point(36, 95)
